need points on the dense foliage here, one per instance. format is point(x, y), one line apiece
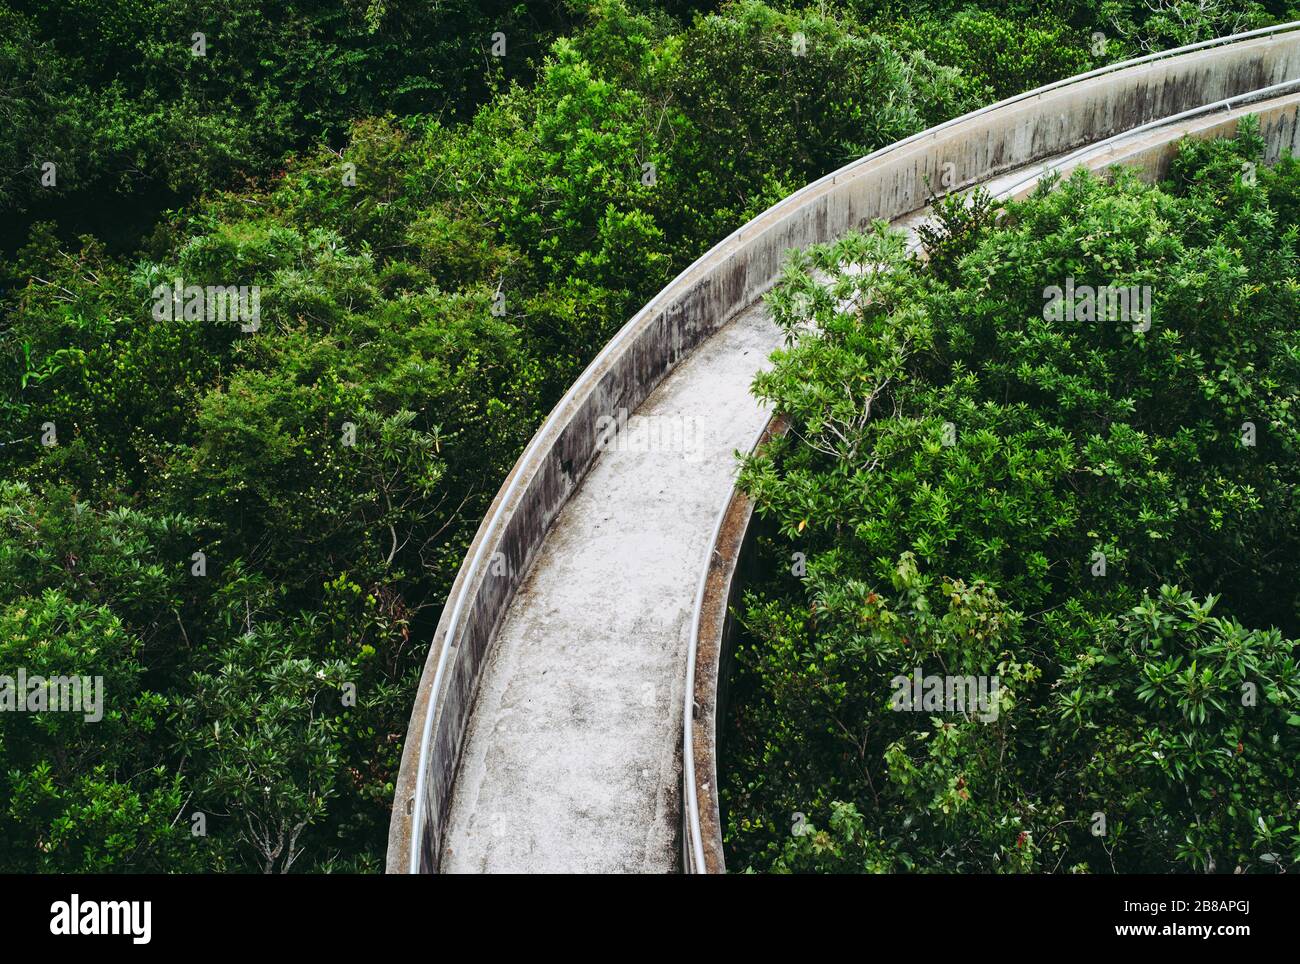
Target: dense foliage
point(250, 533)
point(136, 118)
point(1098, 511)
point(259, 526)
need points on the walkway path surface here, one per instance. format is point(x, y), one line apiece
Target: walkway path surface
point(572, 758)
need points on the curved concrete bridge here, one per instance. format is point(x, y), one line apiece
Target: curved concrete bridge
point(566, 717)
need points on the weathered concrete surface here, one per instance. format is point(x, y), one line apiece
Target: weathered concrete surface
point(571, 762)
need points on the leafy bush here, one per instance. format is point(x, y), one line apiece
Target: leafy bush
point(1098, 513)
point(1003, 54)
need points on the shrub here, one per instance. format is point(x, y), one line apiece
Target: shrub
point(1096, 511)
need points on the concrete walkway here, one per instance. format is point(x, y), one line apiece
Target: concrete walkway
point(572, 759)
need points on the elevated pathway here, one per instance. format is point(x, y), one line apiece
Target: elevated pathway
point(547, 735)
